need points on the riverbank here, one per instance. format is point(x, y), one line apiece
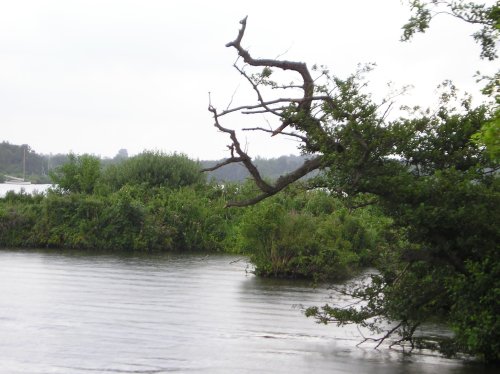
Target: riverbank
point(296, 235)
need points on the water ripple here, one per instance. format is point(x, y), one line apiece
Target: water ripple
point(77, 313)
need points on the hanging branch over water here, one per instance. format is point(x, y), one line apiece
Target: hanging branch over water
point(294, 112)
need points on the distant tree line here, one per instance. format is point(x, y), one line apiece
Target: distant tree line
point(13, 158)
point(271, 168)
point(38, 165)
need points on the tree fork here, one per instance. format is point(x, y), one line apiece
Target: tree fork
point(304, 107)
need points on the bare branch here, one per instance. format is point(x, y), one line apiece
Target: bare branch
point(282, 182)
point(380, 340)
point(387, 111)
point(245, 159)
point(362, 205)
point(299, 67)
point(303, 138)
point(256, 89)
point(249, 107)
point(284, 87)
point(248, 202)
point(302, 118)
point(228, 161)
point(271, 102)
point(232, 97)
point(261, 111)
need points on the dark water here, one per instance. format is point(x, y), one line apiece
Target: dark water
point(70, 313)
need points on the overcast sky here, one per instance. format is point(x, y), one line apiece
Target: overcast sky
point(95, 76)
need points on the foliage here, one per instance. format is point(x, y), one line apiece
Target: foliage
point(199, 221)
point(425, 171)
point(133, 218)
point(309, 235)
point(478, 293)
point(489, 137)
point(317, 237)
point(151, 202)
point(153, 169)
point(480, 14)
point(79, 175)
point(18, 215)
point(441, 188)
point(36, 165)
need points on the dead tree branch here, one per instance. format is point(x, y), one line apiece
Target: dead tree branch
point(292, 134)
point(243, 156)
point(282, 182)
point(299, 67)
point(297, 112)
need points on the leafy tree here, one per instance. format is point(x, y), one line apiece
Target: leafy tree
point(79, 175)
point(300, 234)
point(199, 221)
point(134, 218)
point(489, 137)
point(154, 169)
point(18, 215)
point(439, 186)
point(487, 17)
point(21, 160)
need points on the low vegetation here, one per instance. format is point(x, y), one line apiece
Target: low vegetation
point(159, 202)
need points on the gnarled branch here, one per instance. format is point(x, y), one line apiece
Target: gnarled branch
point(302, 119)
point(282, 182)
point(292, 134)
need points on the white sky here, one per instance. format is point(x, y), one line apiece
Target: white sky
point(94, 76)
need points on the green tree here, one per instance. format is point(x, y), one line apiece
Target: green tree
point(79, 175)
point(154, 169)
point(489, 137)
point(309, 234)
point(21, 160)
point(439, 186)
point(487, 17)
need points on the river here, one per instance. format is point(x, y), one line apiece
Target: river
point(101, 313)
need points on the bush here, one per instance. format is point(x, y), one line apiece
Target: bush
point(309, 235)
point(79, 175)
point(153, 169)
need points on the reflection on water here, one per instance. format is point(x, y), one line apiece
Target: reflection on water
point(81, 313)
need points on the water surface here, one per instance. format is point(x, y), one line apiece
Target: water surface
point(94, 313)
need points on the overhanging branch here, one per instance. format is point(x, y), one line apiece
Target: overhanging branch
point(299, 67)
point(282, 182)
point(297, 112)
